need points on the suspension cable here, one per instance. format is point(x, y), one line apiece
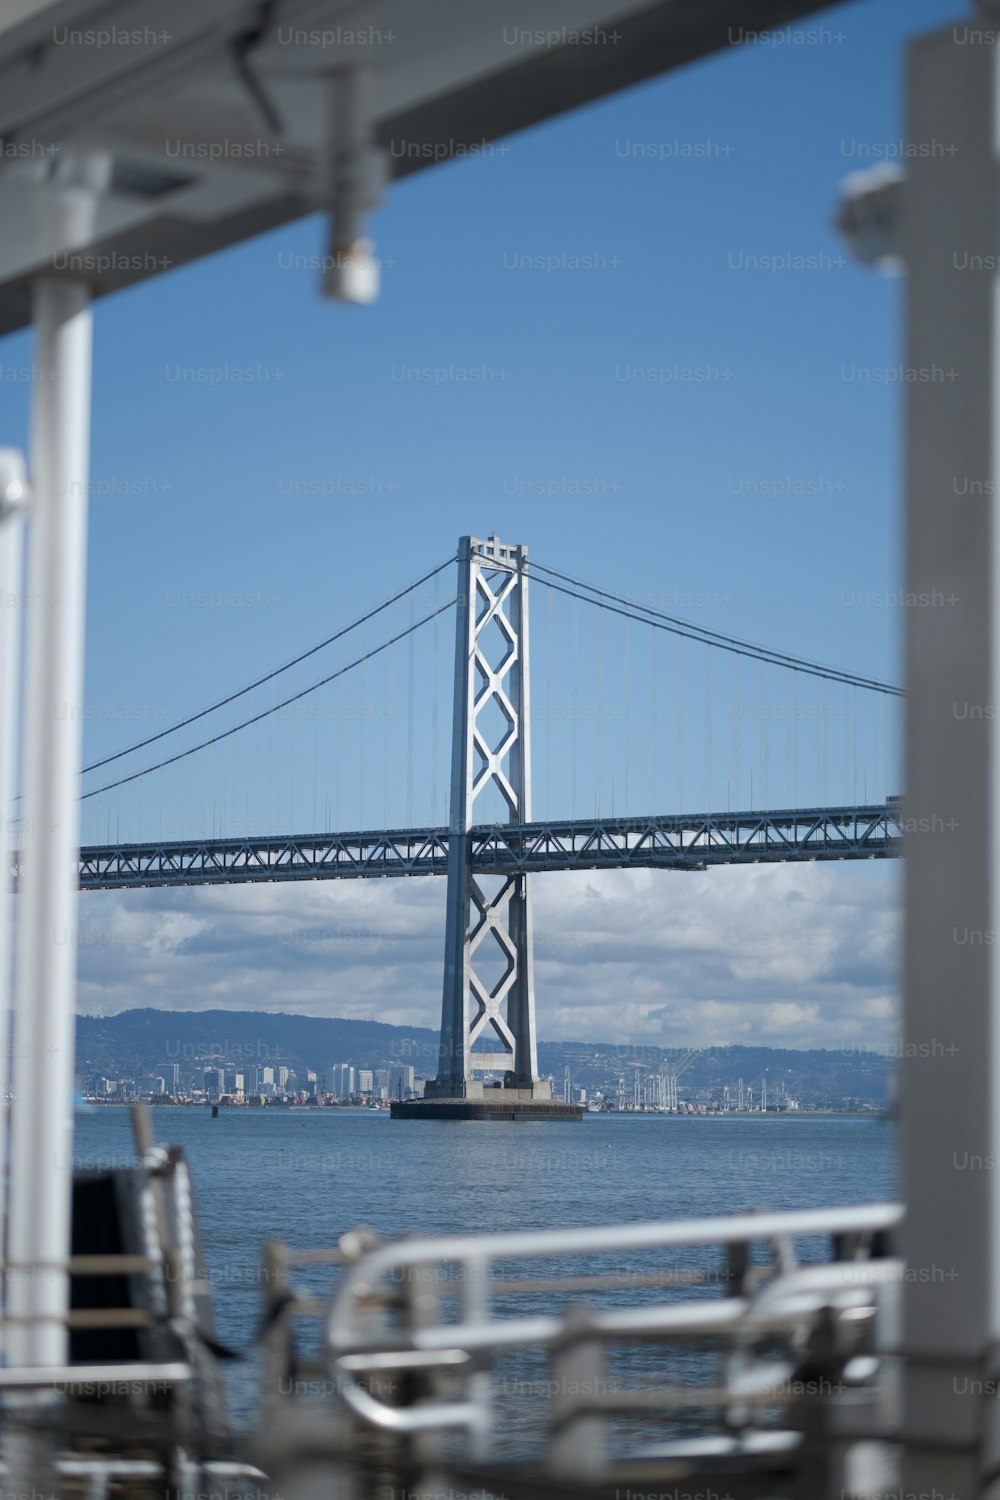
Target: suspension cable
point(269, 676)
point(267, 712)
point(701, 632)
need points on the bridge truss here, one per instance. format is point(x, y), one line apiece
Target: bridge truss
point(672, 842)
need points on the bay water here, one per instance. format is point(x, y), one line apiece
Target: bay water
point(307, 1176)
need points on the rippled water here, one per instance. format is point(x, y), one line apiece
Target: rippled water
point(306, 1176)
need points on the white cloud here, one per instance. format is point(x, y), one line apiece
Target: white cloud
point(797, 955)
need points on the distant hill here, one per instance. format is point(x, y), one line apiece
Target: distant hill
point(140, 1042)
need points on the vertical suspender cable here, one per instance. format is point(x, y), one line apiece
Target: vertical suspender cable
point(435, 696)
point(628, 705)
point(410, 696)
point(319, 733)
point(795, 739)
point(575, 628)
point(364, 745)
point(846, 721)
point(737, 746)
point(821, 738)
point(652, 723)
point(761, 729)
point(386, 744)
point(680, 724)
point(765, 744)
point(854, 741)
point(341, 733)
point(271, 824)
point(600, 710)
point(708, 728)
point(251, 771)
point(548, 704)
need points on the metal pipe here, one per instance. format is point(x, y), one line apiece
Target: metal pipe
point(42, 1101)
point(621, 1237)
point(13, 489)
point(951, 1054)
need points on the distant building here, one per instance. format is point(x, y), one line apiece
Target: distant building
point(172, 1077)
point(341, 1080)
point(366, 1081)
point(259, 1081)
point(401, 1079)
point(214, 1082)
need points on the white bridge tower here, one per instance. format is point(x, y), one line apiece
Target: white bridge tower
point(488, 1016)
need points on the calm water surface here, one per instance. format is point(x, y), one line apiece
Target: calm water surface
point(307, 1176)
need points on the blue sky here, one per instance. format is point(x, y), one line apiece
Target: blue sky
point(684, 471)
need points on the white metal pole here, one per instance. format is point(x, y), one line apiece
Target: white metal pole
point(951, 1060)
point(12, 503)
point(42, 1109)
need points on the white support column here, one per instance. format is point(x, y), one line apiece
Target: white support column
point(13, 494)
point(42, 1113)
point(950, 1095)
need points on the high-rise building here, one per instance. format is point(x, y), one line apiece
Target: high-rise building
point(342, 1080)
point(172, 1077)
point(215, 1082)
point(401, 1076)
point(259, 1081)
point(366, 1081)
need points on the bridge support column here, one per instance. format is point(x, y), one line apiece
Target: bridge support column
point(489, 927)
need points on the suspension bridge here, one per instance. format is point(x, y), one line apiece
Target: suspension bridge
point(607, 740)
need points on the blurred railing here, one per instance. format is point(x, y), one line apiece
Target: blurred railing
point(763, 1353)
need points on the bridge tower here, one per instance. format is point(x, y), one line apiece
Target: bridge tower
point(490, 745)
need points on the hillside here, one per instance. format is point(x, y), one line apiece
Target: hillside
point(140, 1042)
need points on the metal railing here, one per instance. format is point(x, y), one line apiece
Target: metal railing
point(800, 1351)
point(156, 1416)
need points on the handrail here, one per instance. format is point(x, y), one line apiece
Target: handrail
point(66, 1377)
point(360, 1351)
point(399, 1256)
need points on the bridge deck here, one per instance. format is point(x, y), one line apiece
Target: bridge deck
point(674, 841)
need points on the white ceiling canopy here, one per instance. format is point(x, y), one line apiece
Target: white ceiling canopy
point(217, 119)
